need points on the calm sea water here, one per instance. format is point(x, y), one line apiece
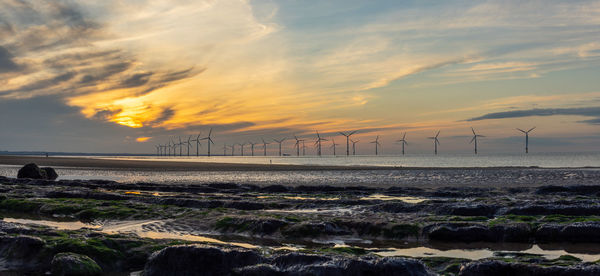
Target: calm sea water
point(578, 168)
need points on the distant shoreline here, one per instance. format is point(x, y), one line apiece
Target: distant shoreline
point(125, 164)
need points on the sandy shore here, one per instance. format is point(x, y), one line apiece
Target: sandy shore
point(80, 162)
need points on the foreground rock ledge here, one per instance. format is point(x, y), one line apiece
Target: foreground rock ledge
point(208, 260)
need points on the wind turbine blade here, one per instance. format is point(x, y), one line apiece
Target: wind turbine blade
point(438, 133)
point(473, 139)
point(521, 130)
point(352, 132)
point(437, 141)
point(481, 136)
point(210, 132)
point(473, 131)
point(404, 136)
point(531, 129)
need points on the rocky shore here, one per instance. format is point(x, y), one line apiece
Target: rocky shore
point(244, 229)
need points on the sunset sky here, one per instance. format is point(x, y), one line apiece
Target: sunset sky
point(122, 76)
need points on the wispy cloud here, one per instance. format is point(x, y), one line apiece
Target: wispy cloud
point(581, 111)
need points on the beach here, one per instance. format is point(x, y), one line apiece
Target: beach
point(443, 222)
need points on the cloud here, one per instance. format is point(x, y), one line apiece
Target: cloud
point(6, 62)
point(577, 111)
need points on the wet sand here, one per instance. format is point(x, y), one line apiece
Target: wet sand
point(116, 164)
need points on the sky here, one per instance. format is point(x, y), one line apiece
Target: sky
point(126, 75)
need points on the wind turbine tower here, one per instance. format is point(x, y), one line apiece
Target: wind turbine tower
point(333, 145)
point(475, 136)
point(377, 144)
point(403, 142)
point(242, 147)
point(297, 145)
point(224, 149)
point(318, 143)
point(208, 141)
point(197, 140)
point(189, 144)
point(180, 146)
point(265, 147)
point(280, 142)
point(303, 148)
point(436, 142)
point(526, 138)
point(252, 147)
point(354, 146)
point(348, 141)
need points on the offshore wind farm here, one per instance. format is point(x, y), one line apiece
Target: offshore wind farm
point(339, 137)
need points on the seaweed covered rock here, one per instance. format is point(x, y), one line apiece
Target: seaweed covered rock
point(588, 231)
point(50, 173)
point(32, 171)
point(492, 268)
point(199, 260)
point(207, 260)
point(71, 264)
point(22, 253)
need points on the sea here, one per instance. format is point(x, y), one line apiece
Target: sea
point(452, 168)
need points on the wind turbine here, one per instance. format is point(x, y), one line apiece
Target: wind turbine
point(318, 143)
point(297, 145)
point(475, 139)
point(436, 142)
point(265, 146)
point(198, 145)
point(333, 145)
point(526, 138)
point(174, 146)
point(354, 146)
point(158, 150)
point(208, 141)
point(232, 149)
point(242, 147)
point(169, 147)
point(224, 149)
point(303, 148)
point(403, 142)
point(348, 140)
point(377, 144)
point(180, 146)
point(280, 142)
point(189, 144)
point(252, 147)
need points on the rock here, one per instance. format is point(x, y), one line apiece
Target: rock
point(275, 189)
point(294, 259)
point(199, 260)
point(22, 253)
point(469, 210)
point(576, 232)
point(72, 264)
point(314, 229)
point(556, 209)
point(459, 232)
point(258, 270)
point(388, 266)
point(464, 232)
point(31, 170)
point(50, 173)
point(492, 268)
